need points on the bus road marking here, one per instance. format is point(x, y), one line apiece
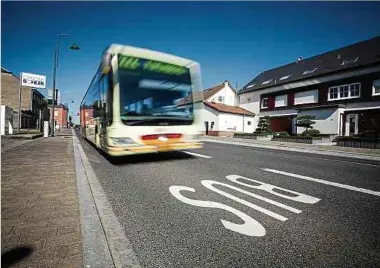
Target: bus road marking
point(250, 227)
point(195, 154)
point(344, 186)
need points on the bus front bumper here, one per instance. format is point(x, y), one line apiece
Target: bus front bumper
point(132, 150)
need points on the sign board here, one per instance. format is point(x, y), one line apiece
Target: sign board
point(33, 80)
point(57, 95)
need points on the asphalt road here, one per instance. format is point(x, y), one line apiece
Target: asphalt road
point(322, 225)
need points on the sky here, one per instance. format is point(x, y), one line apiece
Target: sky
point(232, 41)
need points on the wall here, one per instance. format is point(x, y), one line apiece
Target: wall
point(326, 120)
point(10, 93)
point(209, 115)
point(60, 115)
point(234, 123)
point(228, 94)
point(251, 102)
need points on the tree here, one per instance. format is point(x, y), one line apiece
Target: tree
point(264, 125)
point(305, 121)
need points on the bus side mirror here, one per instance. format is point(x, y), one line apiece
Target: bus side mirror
point(106, 63)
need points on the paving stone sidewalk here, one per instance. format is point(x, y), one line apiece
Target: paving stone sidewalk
point(39, 203)
point(336, 149)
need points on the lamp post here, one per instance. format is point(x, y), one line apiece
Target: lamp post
point(72, 47)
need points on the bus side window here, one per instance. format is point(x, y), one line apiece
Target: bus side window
point(109, 98)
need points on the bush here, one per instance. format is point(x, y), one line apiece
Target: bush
point(368, 134)
point(353, 138)
point(264, 125)
point(311, 132)
point(305, 121)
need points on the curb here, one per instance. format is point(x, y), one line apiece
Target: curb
point(104, 240)
point(301, 150)
point(32, 137)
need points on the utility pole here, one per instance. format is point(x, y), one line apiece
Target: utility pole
point(19, 105)
point(72, 47)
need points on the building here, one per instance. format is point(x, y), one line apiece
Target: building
point(220, 114)
point(33, 106)
point(61, 113)
point(341, 88)
point(86, 116)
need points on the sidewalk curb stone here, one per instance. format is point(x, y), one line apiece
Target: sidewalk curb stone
point(301, 150)
point(119, 247)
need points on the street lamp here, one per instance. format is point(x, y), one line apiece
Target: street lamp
point(72, 47)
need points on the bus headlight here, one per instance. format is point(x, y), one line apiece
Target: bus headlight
point(122, 142)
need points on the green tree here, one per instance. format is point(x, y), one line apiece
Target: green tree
point(264, 125)
point(305, 121)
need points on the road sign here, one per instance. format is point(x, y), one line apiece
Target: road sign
point(33, 80)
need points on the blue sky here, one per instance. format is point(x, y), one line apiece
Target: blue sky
point(232, 41)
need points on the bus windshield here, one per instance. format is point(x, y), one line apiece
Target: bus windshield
point(151, 96)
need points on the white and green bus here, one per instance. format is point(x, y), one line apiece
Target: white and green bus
point(143, 101)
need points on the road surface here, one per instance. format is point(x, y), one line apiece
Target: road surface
point(235, 206)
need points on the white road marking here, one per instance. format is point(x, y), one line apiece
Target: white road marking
point(199, 155)
point(209, 184)
point(250, 227)
point(344, 186)
point(303, 198)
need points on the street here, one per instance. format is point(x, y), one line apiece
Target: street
point(234, 206)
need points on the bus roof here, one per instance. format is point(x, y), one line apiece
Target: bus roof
point(148, 54)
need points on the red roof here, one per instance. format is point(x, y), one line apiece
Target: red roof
point(228, 109)
point(207, 93)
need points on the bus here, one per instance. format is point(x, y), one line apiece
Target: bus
point(142, 101)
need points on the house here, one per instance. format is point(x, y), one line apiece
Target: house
point(33, 106)
point(341, 88)
point(220, 113)
point(61, 115)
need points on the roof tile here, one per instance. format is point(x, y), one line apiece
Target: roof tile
point(354, 55)
point(228, 109)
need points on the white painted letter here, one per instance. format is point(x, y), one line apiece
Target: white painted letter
point(250, 227)
point(209, 185)
point(303, 198)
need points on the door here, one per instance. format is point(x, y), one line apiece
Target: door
point(352, 121)
point(206, 126)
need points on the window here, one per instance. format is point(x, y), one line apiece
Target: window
point(249, 123)
point(264, 103)
point(333, 93)
point(55, 113)
point(310, 71)
point(220, 98)
point(344, 92)
point(355, 90)
point(266, 82)
point(376, 87)
point(285, 77)
point(349, 61)
point(303, 97)
point(251, 86)
point(281, 101)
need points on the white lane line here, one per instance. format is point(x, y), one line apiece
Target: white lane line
point(344, 186)
point(199, 155)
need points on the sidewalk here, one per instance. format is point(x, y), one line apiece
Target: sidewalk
point(363, 153)
point(39, 202)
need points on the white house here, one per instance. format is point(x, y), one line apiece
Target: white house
point(221, 115)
